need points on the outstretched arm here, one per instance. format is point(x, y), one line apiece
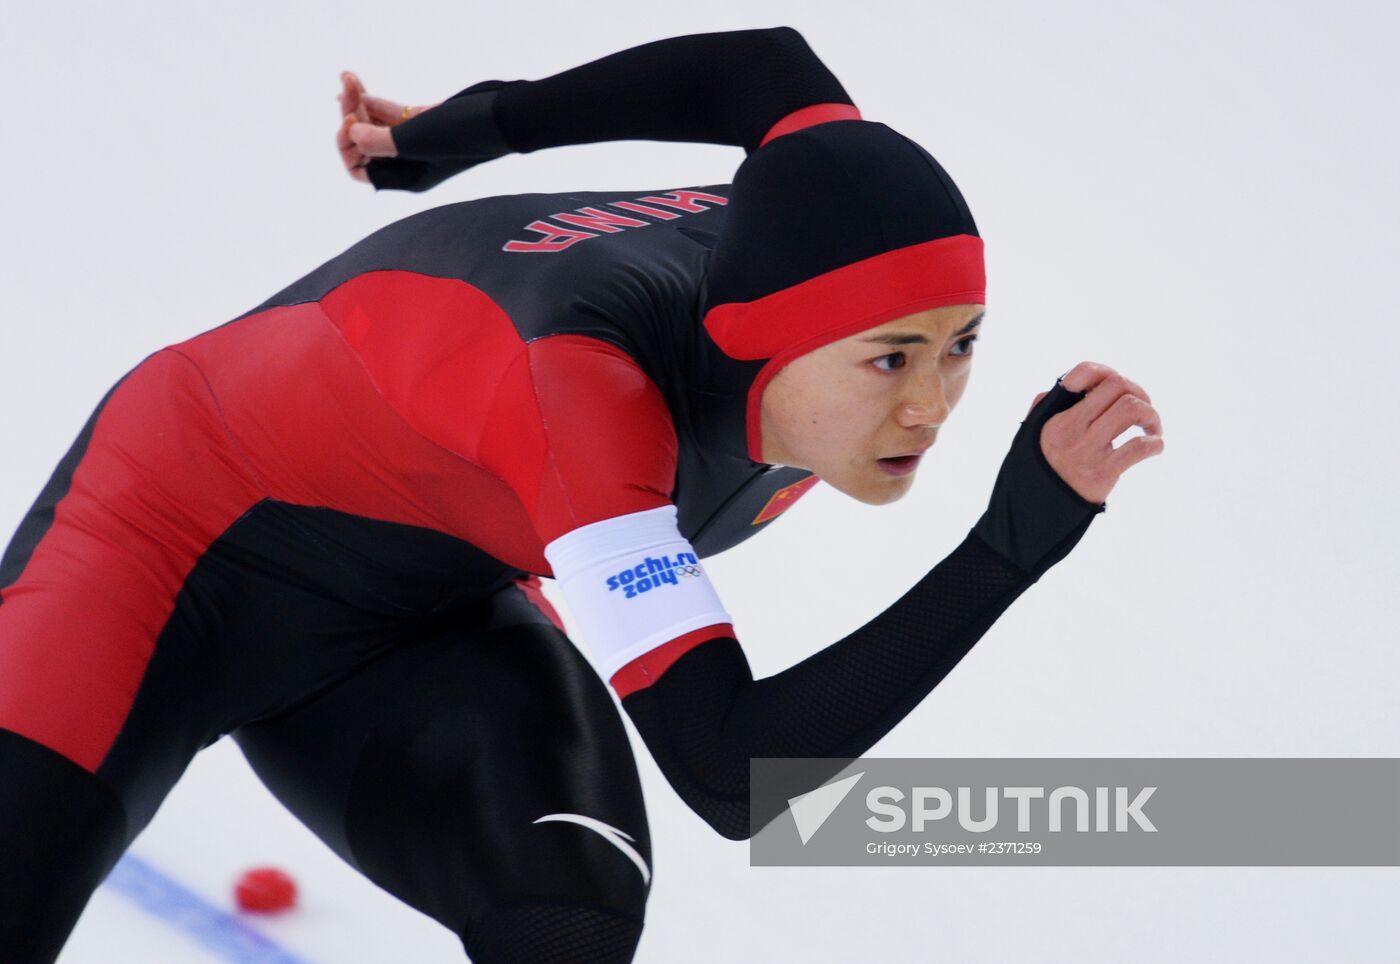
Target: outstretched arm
point(694, 699)
point(728, 87)
point(705, 717)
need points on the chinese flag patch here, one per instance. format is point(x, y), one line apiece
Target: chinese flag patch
point(783, 498)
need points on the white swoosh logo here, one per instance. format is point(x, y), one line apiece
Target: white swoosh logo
point(611, 834)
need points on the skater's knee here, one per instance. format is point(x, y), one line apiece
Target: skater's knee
point(61, 830)
point(39, 786)
point(571, 923)
point(542, 931)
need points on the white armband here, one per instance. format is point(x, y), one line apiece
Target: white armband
point(632, 583)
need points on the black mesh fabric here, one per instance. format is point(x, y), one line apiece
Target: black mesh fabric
point(456, 135)
point(729, 87)
point(718, 88)
point(553, 933)
point(706, 716)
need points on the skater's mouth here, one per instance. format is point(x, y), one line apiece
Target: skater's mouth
point(900, 464)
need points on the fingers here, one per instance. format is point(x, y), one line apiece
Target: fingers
point(1078, 442)
point(356, 139)
point(1128, 410)
point(372, 140)
point(1132, 452)
point(1092, 377)
point(354, 89)
point(1088, 375)
point(1104, 388)
point(350, 155)
point(351, 96)
point(352, 109)
point(1084, 376)
point(385, 111)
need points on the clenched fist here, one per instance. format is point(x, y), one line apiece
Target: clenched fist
point(1078, 442)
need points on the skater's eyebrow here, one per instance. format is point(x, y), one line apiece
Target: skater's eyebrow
point(896, 338)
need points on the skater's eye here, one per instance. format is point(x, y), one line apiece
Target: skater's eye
point(966, 345)
point(896, 359)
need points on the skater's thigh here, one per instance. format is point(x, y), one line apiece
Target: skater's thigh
point(467, 769)
point(104, 597)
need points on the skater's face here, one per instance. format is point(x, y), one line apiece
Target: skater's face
point(854, 410)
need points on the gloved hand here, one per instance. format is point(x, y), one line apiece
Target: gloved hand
point(370, 118)
point(1062, 465)
point(418, 147)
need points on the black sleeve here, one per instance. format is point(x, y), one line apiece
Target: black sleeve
point(718, 88)
point(706, 716)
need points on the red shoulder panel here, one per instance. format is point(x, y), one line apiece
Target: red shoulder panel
point(413, 398)
point(612, 444)
point(569, 423)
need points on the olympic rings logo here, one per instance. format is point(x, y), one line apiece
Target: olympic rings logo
point(653, 573)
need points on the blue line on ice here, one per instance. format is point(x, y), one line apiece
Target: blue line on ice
point(218, 931)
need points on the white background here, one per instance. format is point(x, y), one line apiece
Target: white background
point(1202, 195)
